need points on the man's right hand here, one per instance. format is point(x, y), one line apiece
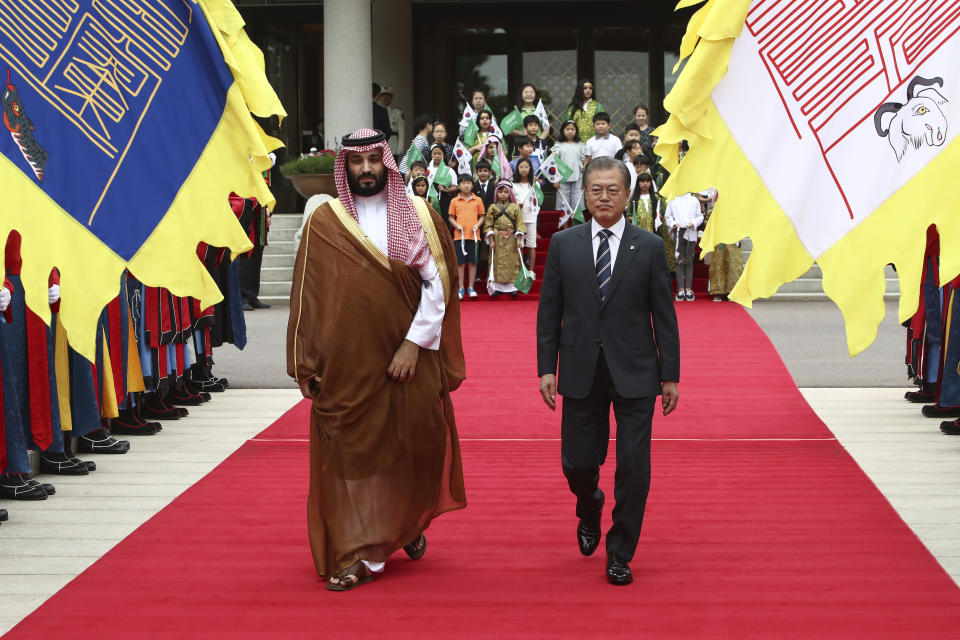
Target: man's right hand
point(548, 390)
point(308, 386)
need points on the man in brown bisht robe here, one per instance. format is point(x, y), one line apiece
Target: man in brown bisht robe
point(374, 341)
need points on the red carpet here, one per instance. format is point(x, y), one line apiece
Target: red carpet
point(759, 525)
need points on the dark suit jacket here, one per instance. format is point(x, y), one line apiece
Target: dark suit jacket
point(487, 195)
point(637, 325)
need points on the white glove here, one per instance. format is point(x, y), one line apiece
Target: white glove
point(53, 293)
point(4, 299)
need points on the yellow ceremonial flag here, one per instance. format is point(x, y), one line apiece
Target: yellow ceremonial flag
point(829, 131)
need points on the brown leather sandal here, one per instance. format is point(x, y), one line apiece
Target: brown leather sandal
point(417, 548)
point(353, 576)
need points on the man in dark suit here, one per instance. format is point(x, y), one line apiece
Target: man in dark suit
point(606, 311)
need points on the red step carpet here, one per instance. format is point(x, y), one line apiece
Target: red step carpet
point(759, 525)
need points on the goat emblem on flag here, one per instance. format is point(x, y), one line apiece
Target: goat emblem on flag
point(123, 178)
point(826, 129)
point(917, 122)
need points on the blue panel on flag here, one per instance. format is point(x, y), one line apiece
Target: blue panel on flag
point(107, 106)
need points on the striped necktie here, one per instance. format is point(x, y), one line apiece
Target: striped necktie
point(604, 264)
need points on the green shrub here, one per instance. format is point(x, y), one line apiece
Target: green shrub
point(309, 164)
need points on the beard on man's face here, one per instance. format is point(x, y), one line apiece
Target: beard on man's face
point(380, 182)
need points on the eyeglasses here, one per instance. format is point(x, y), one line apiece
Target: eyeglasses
point(613, 192)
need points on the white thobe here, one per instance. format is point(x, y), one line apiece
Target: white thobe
point(428, 320)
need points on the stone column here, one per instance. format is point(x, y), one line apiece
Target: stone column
point(393, 55)
point(347, 68)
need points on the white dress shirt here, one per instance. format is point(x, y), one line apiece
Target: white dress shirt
point(684, 212)
point(605, 147)
point(428, 321)
point(613, 241)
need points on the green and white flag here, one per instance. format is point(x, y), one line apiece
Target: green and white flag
point(542, 114)
point(470, 133)
point(554, 170)
point(495, 165)
point(443, 175)
point(538, 192)
point(413, 155)
point(578, 214)
point(512, 121)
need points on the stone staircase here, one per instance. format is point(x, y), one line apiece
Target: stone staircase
point(276, 274)
point(809, 286)
point(276, 277)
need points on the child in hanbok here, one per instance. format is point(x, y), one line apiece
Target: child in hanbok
point(504, 229)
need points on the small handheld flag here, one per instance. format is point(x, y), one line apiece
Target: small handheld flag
point(541, 113)
point(468, 116)
point(462, 154)
point(512, 121)
point(524, 279)
point(443, 175)
point(413, 155)
point(470, 133)
point(578, 214)
point(554, 170)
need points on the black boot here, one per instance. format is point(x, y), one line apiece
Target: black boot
point(181, 396)
point(100, 441)
point(62, 464)
point(950, 427)
point(939, 411)
point(14, 486)
point(49, 489)
point(136, 404)
point(127, 424)
point(154, 407)
point(927, 393)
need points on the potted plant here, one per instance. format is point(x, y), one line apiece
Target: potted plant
point(312, 173)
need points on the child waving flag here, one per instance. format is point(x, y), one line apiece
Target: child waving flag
point(554, 170)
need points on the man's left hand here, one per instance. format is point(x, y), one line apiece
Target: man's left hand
point(404, 363)
point(670, 397)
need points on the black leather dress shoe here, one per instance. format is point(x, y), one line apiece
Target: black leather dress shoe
point(618, 572)
point(3, 515)
point(588, 530)
point(256, 303)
